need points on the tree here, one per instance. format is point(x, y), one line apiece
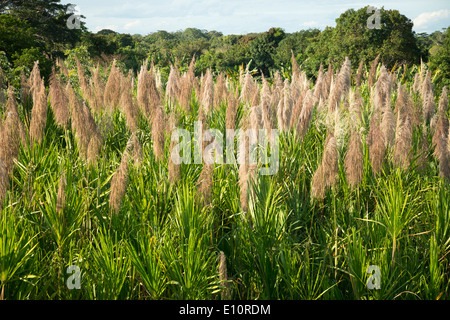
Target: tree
point(264, 47)
point(440, 63)
point(296, 42)
point(48, 17)
point(394, 40)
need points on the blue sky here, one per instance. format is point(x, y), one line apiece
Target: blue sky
point(244, 16)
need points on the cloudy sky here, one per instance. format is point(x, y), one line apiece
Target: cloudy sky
point(244, 16)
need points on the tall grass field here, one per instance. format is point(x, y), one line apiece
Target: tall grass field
point(93, 205)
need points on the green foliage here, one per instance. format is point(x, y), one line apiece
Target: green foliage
point(351, 37)
point(440, 63)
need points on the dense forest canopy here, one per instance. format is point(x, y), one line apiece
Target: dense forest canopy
point(37, 30)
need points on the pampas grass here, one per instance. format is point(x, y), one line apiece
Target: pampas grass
point(59, 101)
point(354, 162)
point(359, 74)
point(158, 135)
point(119, 183)
point(4, 181)
point(375, 141)
point(387, 126)
point(38, 114)
point(326, 174)
point(112, 88)
point(372, 72)
point(403, 143)
point(207, 93)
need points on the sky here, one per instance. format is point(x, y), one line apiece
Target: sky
point(244, 16)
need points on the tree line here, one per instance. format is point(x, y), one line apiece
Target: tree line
point(37, 30)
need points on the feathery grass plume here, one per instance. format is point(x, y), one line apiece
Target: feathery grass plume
point(294, 115)
point(341, 87)
point(287, 104)
point(282, 126)
point(9, 141)
point(77, 121)
point(232, 105)
point(58, 101)
point(266, 94)
point(426, 87)
point(423, 160)
point(6, 158)
point(25, 89)
point(13, 122)
point(4, 180)
point(440, 136)
point(416, 84)
point(373, 72)
point(97, 90)
point(387, 126)
point(344, 77)
point(266, 119)
point(119, 183)
point(400, 103)
point(444, 165)
point(112, 88)
point(128, 107)
point(173, 169)
point(61, 196)
point(355, 106)
point(428, 108)
point(354, 162)
point(443, 101)
point(205, 184)
point(158, 133)
point(207, 98)
point(223, 277)
point(359, 74)
point(375, 141)
point(172, 86)
point(255, 100)
point(185, 93)
point(248, 89)
point(85, 88)
point(403, 143)
point(382, 89)
point(93, 149)
point(326, 174)
point(318, 87)
point(34, 82)
point(155, 91)
point(334, 97)
point(187, 84)
point(142, 93)
point(340, 128)
point(205, 181)
point(305, 114)
point(295, 88)
point(329, 79)
point(220, 91)
point(243, 155)
point(38, 115)
point(277, 80)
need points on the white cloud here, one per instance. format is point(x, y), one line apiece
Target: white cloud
point(110, 27)
point(425, 18)
point(309, 23)
point(132, 24)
